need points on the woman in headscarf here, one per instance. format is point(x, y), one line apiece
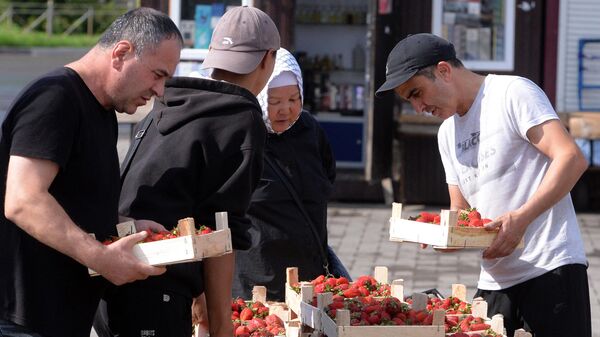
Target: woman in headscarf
point(289, 208)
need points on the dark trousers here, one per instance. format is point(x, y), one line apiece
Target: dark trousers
point(555, 304)
point(131, 311)
point(10, 329)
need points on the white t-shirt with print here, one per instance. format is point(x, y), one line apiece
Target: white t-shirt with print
point(487, 154)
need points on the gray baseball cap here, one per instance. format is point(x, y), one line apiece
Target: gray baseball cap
point(412, 54)
point(240, 40)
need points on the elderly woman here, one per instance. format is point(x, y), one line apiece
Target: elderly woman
point(289, 208)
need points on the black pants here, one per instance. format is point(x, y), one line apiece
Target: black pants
point(143, 312)
point(555, 304)
point(10, 329)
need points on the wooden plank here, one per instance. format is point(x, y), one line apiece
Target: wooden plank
point(126, 228)
point(183, 249)
point(381, 274)
point(259, 294)
point(214, 244)
point(221, 220)
point(419, 301)
point(293, 328)
point(479, 308)
point(390, 331)
point(186, 226)
point(331, 329)
point(397, 289)
point(309, 315)
point(165, 252)
point(407, 230)
point(459, 291)
point(497, 324)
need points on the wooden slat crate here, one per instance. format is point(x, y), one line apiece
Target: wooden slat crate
point(341, 326)
point(479, 308)
point(299, 303)
point(444, 235)
point(186, 248)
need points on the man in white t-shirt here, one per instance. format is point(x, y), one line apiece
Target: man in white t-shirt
point(505, 152)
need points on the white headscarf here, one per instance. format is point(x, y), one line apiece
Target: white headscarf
point(284, 63)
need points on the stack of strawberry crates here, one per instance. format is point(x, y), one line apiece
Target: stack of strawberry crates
point(317, 321)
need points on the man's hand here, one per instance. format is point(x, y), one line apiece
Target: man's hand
point(512, 228)
point(142, 225)
point(118, 264)
point(199, 315)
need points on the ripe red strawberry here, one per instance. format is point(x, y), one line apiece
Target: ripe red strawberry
point(363, 291)
point(350, 293)
point(205, 230)
point(484, 221)
point(398, 321)
point(246, 314)
point(374, 319)
point(462, 223)
point(342, 280)
point(479, 326)
point(320, 288)
point(273, 320)
point(242, 330)
point(476, 223)
point(318, 280)
point(428, 217)
point(473, 214)
point(332, 281)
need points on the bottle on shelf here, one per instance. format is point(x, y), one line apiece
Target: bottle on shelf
point(358, 57)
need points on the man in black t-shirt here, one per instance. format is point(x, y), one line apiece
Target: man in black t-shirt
point(58, 156)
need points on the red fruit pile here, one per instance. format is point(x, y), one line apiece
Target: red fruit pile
point(378, 311)
point(162, 235)
point(433, 218)
point(471, 218)
point(456, 324)
point(364, 286)
point(252, 319)
point(452, 305)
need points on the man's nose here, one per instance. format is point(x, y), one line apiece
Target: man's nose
point(159, 87)
point(418, 106)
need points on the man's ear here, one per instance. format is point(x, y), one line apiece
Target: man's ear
point(265, 59)
point(121, 52)
point(444, 69)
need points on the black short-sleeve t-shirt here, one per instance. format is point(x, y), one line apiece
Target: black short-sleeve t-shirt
point(57, 118)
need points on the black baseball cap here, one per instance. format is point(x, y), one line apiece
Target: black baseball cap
point(412, 54)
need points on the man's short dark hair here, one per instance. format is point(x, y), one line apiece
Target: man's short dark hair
point(144, 27)
point(428, 71)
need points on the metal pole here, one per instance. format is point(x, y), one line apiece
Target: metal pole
point(49, 17)
point(90, 21)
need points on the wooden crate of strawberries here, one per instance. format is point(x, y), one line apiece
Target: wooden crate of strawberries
point(260, 318)
point(449, 229)
point(466, 319)
point(377, 317)
point(183, 244)
point(301, 297)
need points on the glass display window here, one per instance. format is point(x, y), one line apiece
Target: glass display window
point(482, 31)
point(197, 18)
